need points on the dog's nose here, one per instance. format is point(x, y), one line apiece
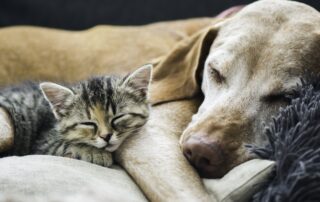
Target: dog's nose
point(205, 155)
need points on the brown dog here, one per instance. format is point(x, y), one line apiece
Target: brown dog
point(245, 66)
point(256, 59)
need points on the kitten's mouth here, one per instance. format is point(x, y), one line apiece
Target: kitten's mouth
point(107, 146)
point(110, 148)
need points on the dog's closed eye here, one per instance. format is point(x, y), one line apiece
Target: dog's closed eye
point(277, 97)
point(216, 75)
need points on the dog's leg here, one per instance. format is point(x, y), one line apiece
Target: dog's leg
point(154, 159)
point(6, 131)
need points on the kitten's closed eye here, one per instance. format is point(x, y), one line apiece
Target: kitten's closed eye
point(90, 125)
point(127, 121)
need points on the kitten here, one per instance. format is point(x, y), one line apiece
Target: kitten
point(86, 121)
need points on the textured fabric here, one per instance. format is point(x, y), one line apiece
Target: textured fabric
point(39, 178)
point(241, 182)
point(48, 178)
point(293, 143)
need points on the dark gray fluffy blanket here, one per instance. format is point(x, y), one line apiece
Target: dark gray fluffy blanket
point(294, 144)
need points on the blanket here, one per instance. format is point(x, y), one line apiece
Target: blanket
point(293, 143)
point(38, 178)
point(49, 178)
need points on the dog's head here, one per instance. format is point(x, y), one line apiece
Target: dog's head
point(256, 59)
point(254, 63)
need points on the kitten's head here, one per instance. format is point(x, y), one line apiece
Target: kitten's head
point(101, 111)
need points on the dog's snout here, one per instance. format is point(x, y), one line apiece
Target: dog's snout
point(206, 156)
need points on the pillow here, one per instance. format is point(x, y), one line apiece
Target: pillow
point(49, 178)
point(241, 182)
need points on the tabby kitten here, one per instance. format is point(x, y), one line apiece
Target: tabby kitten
point(85, 121)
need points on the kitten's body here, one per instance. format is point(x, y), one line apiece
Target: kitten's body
point(30, 113)
point(86, 121)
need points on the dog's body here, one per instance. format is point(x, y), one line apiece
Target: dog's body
point(258, 55)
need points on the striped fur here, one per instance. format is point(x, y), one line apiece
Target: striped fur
point(86, 121)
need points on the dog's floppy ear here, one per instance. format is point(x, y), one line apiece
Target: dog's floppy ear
point(176, 76)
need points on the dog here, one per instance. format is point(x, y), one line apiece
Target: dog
point(253, 65)
point(244, 67)
point(256, 58)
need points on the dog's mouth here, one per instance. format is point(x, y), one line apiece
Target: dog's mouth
point(212, 172)
point(213, 159)
point(218, 171)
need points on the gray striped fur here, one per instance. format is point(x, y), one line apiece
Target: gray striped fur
point(87, 120)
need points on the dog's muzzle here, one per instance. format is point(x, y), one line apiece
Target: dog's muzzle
point(205, 155)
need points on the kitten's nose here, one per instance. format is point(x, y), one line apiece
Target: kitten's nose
point(106, 137)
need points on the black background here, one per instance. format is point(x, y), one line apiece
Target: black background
point(81, 14)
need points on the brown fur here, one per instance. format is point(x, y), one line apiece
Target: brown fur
point(49, 54)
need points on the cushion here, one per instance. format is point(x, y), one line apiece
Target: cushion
point(241, 182)
point(49, 178)
point(38, 177)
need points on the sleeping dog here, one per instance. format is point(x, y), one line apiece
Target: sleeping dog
point(245, 67)
point(254, 63)
point(255, 60)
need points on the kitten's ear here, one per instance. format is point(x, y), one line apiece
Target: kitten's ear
point(141, 78)
point(59, 97)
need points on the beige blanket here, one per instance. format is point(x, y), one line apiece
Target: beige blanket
point(49, 178)
point(39, 178)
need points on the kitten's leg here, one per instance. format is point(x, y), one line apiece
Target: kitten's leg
point(6, 131)
point(154, 158)
point(89, 154)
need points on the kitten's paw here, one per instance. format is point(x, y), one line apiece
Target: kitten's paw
point(91, 155)
point(102, 158)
